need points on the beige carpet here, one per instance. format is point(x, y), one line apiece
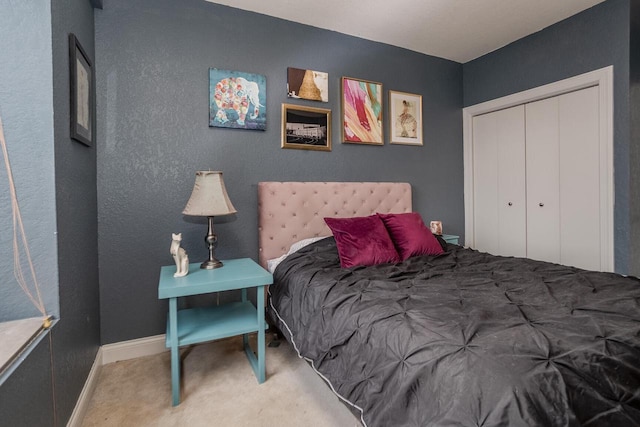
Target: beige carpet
point(219, 388)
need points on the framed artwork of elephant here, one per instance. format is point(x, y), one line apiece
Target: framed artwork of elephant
point(237, 100)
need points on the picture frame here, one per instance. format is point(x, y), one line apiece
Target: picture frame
point(237, 100)
point(362, 112)
point(405, 118)
point(307, 84)
point(81, 85)
point(306, 128)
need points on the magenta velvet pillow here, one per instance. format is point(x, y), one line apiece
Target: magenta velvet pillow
point(362, 241)
point(410, 236)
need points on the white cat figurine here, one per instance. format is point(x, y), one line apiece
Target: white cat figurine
point(179, 256)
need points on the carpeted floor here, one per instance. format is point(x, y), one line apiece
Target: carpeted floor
point(219, 388)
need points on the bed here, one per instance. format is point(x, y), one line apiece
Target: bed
point(460, 338)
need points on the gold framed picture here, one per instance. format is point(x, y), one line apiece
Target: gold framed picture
point(306, 128)
point(362, 112)
point(405, 117)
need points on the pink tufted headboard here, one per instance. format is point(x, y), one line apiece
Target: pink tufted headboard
point(292, 211)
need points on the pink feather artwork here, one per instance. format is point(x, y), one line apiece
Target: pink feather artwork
point(362, 111)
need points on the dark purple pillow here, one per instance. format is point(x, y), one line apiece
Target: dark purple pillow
point(362, 241)
point(410, 236)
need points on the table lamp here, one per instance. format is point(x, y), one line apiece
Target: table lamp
point(209, 198)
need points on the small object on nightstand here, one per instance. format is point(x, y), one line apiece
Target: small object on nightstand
point(179, 256)
point(436, 227)
point(209, 198)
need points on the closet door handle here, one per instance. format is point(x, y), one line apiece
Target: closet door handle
point(510, 204)
point(541, 204)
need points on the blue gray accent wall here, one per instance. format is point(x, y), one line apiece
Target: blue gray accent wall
point(76, 337)
point(153, 58)
point(593, 39)
point(26, 397)
point(26, 108)
point(44, 388)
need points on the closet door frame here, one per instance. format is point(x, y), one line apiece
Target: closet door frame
point(603, 79)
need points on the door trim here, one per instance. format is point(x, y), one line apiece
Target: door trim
point(603, 79)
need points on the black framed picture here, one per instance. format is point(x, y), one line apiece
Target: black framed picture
point(81, 85)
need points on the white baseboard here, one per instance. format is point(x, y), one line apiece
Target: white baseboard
point(110, 353)
point(140, 347)
point(87, 391)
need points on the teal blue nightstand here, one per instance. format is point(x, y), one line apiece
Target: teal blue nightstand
point(201, 324)
point(450, 238)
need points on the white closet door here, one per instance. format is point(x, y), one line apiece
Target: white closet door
point(568, 169)
point(499, 182)
point(543, 177)
point(485, 192)
point(580, 179)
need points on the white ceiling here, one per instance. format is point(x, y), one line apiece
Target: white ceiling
point(459, 30)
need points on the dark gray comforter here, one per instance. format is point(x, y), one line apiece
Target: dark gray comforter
point(466, 338)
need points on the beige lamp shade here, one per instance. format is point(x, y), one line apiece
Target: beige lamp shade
point(209, 197)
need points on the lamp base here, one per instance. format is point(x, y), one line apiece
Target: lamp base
point(211, 240)
point(210, 264)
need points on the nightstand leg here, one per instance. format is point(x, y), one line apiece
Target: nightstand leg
point(245, 337)
point(175, 355)
point(261, 338)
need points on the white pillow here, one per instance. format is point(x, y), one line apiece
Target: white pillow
point(273, 263)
